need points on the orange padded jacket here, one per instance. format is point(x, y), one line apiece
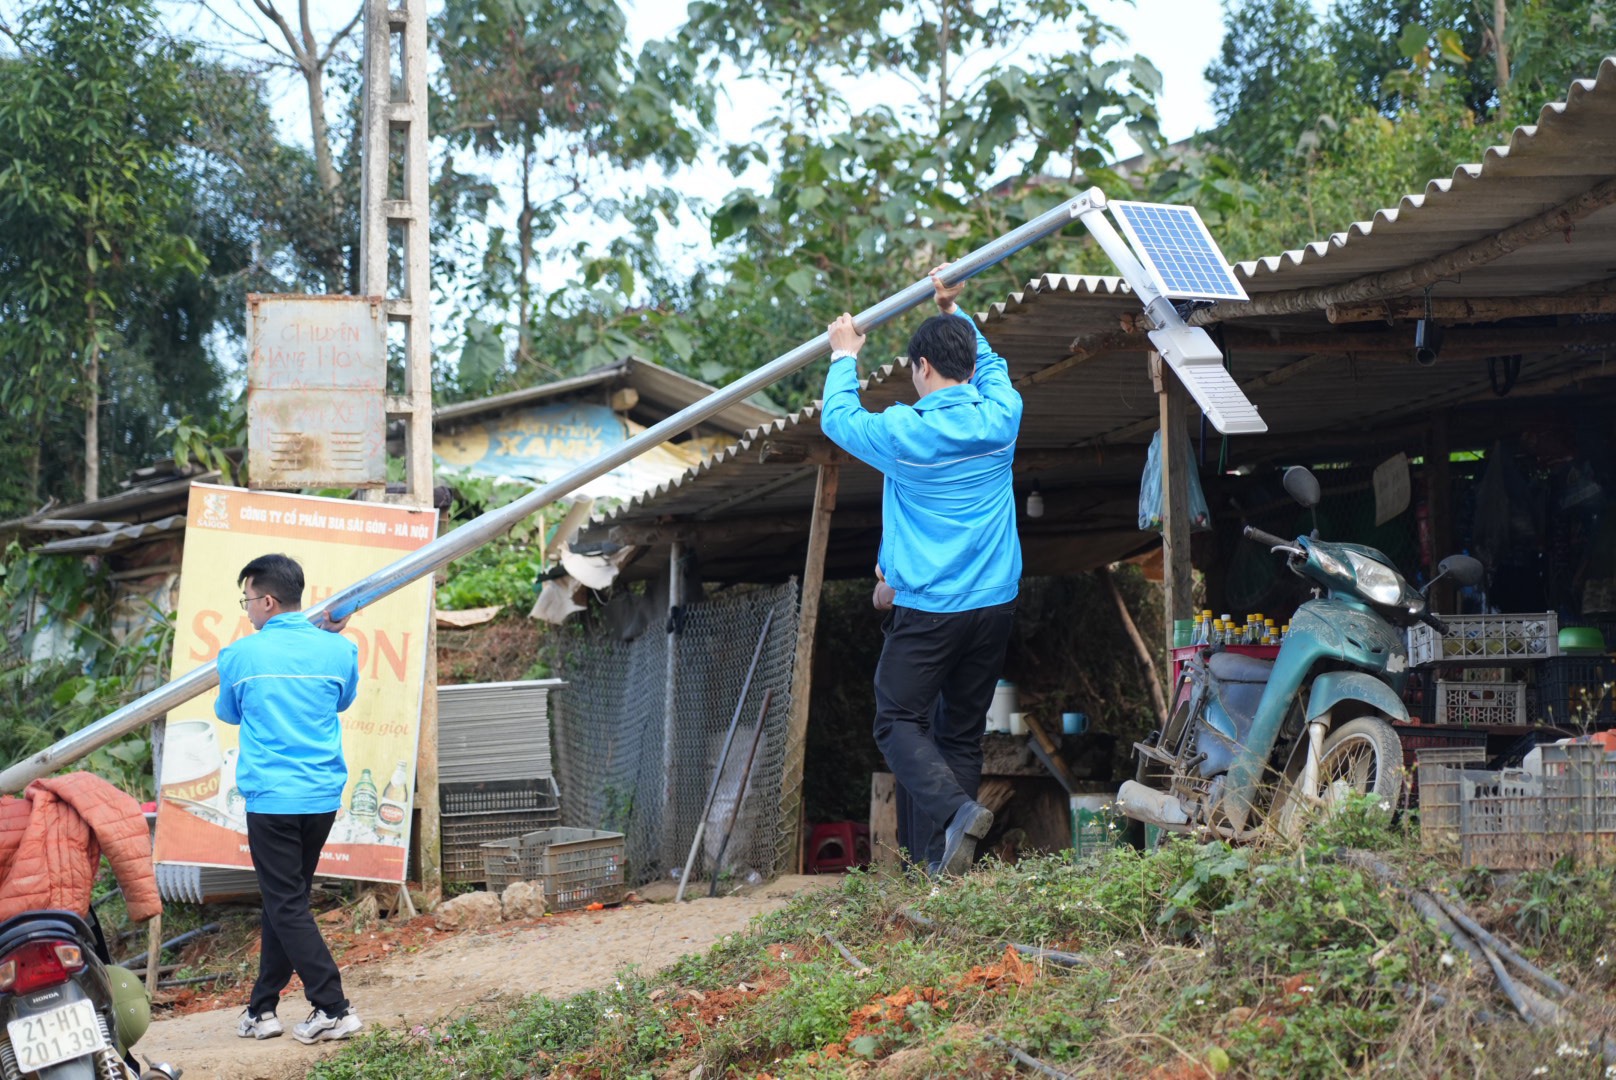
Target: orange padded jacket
point(52, 839)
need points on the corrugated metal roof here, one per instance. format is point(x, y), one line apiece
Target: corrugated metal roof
point(1308, 377)
point(112, 536)
point(662, 391)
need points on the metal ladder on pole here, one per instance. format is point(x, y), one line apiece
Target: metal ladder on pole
point(395, 129)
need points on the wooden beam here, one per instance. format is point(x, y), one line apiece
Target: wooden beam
point(1152, 676)
point(721, 532)
point(1474, 309)
point(1175, 495)
point(1082, 352)
point(1407, 279)
point(823, 452)
point(802, 668)
point(1439, 503)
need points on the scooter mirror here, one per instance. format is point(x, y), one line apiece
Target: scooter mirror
point(1302, 486)
point(1461, 568)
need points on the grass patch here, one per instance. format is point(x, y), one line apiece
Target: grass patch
point(1198, 960)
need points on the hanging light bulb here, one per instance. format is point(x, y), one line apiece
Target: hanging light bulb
point(1035, 502)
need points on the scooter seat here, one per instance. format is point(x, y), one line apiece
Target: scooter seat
point(1239, 668)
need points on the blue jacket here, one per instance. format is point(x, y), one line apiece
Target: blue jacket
point(285, 686)
point(948, 509)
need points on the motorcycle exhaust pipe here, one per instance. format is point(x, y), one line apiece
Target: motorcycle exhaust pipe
point(1153, 807)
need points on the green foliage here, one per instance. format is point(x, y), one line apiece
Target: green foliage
point(91, 196)
point(86, 675)
point(503, 572)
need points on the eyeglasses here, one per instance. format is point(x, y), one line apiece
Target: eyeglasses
point(246, 601)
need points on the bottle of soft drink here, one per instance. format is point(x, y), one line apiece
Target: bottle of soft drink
point(363, 802)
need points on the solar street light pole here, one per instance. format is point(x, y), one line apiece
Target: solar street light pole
point(496, 523)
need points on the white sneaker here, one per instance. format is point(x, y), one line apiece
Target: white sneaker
point(266, 1026)
point(320, 1027)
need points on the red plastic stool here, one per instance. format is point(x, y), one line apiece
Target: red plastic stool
point(837, 846)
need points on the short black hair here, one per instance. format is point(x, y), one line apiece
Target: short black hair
point(948, 344)
point(278, 576)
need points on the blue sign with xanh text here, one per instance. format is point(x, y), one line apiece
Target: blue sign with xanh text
point(537, 443)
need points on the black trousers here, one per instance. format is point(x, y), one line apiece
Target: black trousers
point(933, 687)
point(285, 851)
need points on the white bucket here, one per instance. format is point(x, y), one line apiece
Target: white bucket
point(1004, 703)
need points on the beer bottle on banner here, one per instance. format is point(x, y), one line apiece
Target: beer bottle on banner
point(362, 805)
point(395, 804)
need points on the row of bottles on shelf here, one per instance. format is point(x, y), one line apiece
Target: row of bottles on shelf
point(1257, 630)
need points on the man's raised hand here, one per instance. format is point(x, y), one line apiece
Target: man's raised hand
point(844, 336)
point(944, 294)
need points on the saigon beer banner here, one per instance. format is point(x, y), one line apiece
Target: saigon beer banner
point(201, 817)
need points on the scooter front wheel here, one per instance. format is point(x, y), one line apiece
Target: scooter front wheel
point(1363, 756)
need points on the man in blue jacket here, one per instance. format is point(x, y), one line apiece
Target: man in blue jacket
point(949, 553)
point(285, 686)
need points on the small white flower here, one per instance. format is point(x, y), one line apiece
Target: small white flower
point(1118, 953)
point(1541, 1070)
point(1567, 1050)
point(619, 986)
point(935, 891)
point(1474, 1045)
point(785, 954)
point(1447, 959)
point(1304, 990)
point(610, 1014)
point(1200, 1001)
point(1602, 959)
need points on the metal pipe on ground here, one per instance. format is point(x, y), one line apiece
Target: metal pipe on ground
point(740, 794)
point(495, 523)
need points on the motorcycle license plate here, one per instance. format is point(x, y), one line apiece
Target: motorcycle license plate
point(51, 1038)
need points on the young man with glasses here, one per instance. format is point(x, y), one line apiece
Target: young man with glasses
point(284, 687)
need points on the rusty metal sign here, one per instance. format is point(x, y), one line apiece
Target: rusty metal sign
point(316, 385)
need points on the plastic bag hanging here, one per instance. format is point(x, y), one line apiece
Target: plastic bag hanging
point(1150, 491)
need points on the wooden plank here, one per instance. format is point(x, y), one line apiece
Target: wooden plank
point(884, 819)
point(1439, 504)
point(1175, 496)
point(813, 580)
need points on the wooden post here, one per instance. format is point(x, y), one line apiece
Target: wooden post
point(154, 951)
point(1175, 495)
point(884, 819)
point(813, 579)
point(1439, 503)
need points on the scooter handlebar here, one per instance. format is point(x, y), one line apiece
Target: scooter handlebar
point(1435, 623)
point(1267, 539)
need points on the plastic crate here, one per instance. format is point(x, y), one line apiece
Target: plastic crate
point(1572, 691)
point(1439, 799)
point(477, 814)
point(579, 867)
point(1480, 704)
point(1486, 639)
point(1514, 821)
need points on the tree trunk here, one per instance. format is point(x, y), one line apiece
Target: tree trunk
point(524, 243)
point(92, 413)
point(1500, 50)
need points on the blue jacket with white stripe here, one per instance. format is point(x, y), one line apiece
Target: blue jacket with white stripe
point(285, 686)
point(948, 507)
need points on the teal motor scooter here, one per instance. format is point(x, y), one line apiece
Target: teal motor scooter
point(1253, 743)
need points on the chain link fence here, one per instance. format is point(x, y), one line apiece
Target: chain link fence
point(623, 767)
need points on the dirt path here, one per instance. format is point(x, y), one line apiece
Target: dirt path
point(562, 955)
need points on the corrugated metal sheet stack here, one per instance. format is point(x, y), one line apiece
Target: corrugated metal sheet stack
point(494, 769)
point(494, 731)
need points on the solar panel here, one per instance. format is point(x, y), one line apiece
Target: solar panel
point(1179, 254)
